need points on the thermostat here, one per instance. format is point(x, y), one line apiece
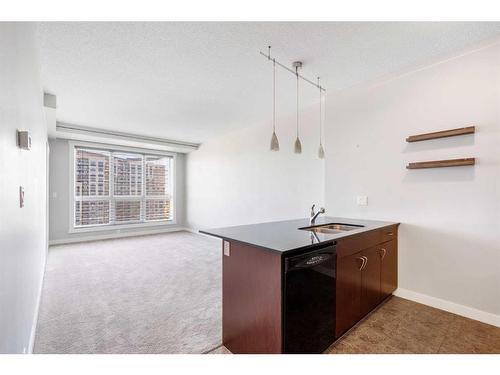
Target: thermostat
point(24, 139)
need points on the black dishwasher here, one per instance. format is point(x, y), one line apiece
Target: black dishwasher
point(309, 300)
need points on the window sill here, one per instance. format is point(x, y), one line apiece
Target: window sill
point(118, 227)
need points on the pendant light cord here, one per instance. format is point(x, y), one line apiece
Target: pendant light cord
point(324, 109)
point(297, 73)
point(274, 95)
point(320, 113)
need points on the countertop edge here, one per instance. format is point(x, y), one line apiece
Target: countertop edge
point(249, 243)
point(281, 252)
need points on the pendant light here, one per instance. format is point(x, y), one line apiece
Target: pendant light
point(298, 146)
point(321, 151)
point(275, 145)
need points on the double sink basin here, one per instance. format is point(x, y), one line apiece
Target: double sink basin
point(332, 228)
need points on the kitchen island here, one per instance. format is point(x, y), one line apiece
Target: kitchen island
point(360, 260)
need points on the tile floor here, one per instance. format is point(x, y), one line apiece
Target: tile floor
point(406, 327)
point(403, 326)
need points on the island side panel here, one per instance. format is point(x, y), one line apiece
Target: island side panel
point(251, 300)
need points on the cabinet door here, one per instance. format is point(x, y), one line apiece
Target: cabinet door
point(348, 292)
point(389, 268)
point(370, 288)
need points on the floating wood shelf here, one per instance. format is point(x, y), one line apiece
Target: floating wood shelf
point(441, 163)
point(441, 134)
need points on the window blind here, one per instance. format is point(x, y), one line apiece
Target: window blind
point(158, 197)
point(92, 205)
point(116, 187)
point(127, 187)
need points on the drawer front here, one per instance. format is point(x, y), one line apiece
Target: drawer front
point(357, 242)
point(388, 233)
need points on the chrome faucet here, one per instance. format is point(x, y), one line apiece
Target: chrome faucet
point(314, 215)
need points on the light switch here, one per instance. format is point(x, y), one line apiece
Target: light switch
point(21, 196)
point(362, 200)
point(227, 248)
point(24, 140)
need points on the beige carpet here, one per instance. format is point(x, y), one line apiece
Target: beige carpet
point(150, 294)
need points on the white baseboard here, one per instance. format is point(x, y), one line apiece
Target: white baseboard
point(31, 343)
point(114, 235)
point(196, 231)
point(455, 308)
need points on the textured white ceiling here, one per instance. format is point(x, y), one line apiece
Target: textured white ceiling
point(193, 81)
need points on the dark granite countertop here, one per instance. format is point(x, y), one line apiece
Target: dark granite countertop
point(284, 236)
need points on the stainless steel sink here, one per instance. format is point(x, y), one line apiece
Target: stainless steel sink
point(332, 228)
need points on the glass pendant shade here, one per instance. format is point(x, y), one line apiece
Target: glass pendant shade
point(275, 145)
point(298, 146)
point(321, 151)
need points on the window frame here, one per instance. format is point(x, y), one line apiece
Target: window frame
point(72, 145)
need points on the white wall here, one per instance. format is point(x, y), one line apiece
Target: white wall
point(22, 230)
point(235, 179)
point(59, 200)
point(450, 232)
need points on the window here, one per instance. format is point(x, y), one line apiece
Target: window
point(113, 187)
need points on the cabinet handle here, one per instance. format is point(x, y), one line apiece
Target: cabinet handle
point(384, 251)
point(366, 262)
point(362, 259)
point(390, 233)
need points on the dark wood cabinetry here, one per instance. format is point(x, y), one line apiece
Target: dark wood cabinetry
point(388, 268)
point(366, 274)
point(253, 302)
point(348, 291)
point(370, 280)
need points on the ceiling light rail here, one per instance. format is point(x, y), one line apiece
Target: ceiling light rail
point(293, 71)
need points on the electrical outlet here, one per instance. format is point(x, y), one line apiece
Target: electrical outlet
point(362, 200)
point(227, 248)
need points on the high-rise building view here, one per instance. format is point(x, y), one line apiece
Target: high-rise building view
point(102, 198)
point(127, 169)
point(127, 182)
point(91, 180)
point(92, 173)
point(157, 185)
